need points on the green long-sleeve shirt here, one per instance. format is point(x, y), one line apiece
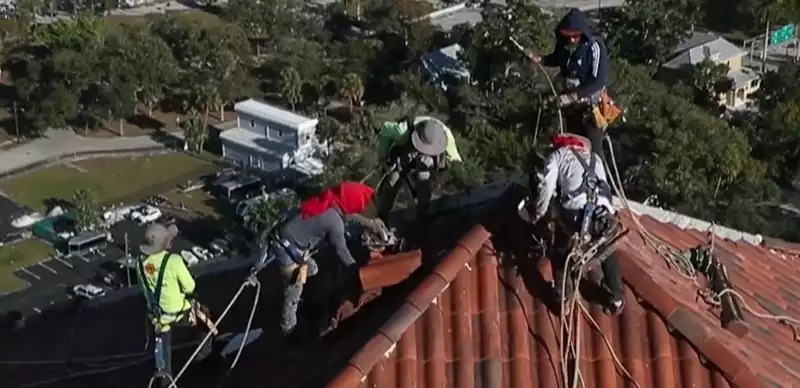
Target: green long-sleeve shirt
point(393, 133)
point(177, 283)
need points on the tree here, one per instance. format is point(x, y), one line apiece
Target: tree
point(262, 215)
point(647, 31)
point(774, 130)
point(265, 22)
point(493, 61)
point(710, 82)
point(692, 162)
point(78, 33)
point(194, 134)
point(213, 61)
point(147, 63)
point(85, 203)
point(352, 89)
point(291, 86)
point(328, 129)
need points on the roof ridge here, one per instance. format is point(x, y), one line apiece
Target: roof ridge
point(685, 321)
point(685, 222)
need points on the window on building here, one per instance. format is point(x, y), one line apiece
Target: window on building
point(754, 83)
point(280, 132)
point(252, 123)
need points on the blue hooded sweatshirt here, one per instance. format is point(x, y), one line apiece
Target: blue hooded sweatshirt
point(589, 60)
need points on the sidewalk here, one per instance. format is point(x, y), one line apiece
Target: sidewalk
point(58, 142)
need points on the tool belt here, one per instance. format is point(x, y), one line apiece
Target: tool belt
point(605, 111)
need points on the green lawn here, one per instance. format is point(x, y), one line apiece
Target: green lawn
point(111, 179)
point(198, 202)
point(22, 254)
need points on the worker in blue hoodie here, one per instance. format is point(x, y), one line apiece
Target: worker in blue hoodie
point(583, 60)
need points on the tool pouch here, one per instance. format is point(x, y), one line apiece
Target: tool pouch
point(296, 274)
point(606, 112)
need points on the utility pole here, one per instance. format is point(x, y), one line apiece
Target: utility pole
point(764, 52)
point(16, 120)
point(127, 260)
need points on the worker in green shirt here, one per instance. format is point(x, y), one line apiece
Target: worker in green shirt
point(170, 291)
point(416, 151)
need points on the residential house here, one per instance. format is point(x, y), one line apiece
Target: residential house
point(704, 45)
point(443, 63)
point(272, 139)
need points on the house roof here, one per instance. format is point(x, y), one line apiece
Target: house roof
point(474, 322)
point(445, 60)
point(269, 112)
point(256, 142)
point(742, 77)
point(465, 318)
point(700, 46)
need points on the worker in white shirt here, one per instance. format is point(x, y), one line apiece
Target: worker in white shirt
point(576, 175)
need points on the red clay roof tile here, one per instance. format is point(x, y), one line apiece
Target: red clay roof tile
point(389, 270)
point(488, 328)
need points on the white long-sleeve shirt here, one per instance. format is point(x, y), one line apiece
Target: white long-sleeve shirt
point(565, 173)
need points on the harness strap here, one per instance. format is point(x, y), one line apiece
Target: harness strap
point(589, 182)
point(154, 296)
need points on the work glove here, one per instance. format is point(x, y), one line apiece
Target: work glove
point(566, 99)
point(380, 228)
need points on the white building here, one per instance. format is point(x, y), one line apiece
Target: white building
point(272, 139)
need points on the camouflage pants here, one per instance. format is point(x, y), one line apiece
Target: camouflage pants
point(292, 293)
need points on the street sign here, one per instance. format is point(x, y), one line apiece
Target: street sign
point(782, 35)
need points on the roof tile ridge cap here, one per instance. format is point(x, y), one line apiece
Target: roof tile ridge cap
point(683, 320)
point(368, 356)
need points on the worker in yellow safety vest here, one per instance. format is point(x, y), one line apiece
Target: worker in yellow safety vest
point(170, 292)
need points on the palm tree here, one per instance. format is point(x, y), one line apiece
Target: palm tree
point(352, 89)
point(291, 86)
point(194, 133)
point(85, 203)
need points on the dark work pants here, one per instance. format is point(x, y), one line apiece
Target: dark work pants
point(421, 191)
point(183, 329)
point(612, 277)
point(578, 120)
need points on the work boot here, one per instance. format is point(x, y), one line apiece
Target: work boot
point(615, 307)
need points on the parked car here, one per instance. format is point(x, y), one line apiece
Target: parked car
point(189, 258)
point(201, 253)
point(146, 214)
point(88, 291)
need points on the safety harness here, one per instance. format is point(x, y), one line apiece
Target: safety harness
point(153, 297)
point(593, 187)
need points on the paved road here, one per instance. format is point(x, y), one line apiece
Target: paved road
point(60, 142)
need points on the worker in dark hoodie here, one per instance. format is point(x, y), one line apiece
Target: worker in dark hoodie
point(584, 64)
point(320, 217)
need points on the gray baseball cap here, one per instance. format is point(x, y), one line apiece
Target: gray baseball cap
point(157, 238)
point(429, 137)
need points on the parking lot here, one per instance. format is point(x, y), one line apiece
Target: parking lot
point(9, 211)
point(51, 279)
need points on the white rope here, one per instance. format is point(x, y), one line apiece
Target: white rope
point(249, 325)
point(678, 261)
point(208, 335)
point(555, 96)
